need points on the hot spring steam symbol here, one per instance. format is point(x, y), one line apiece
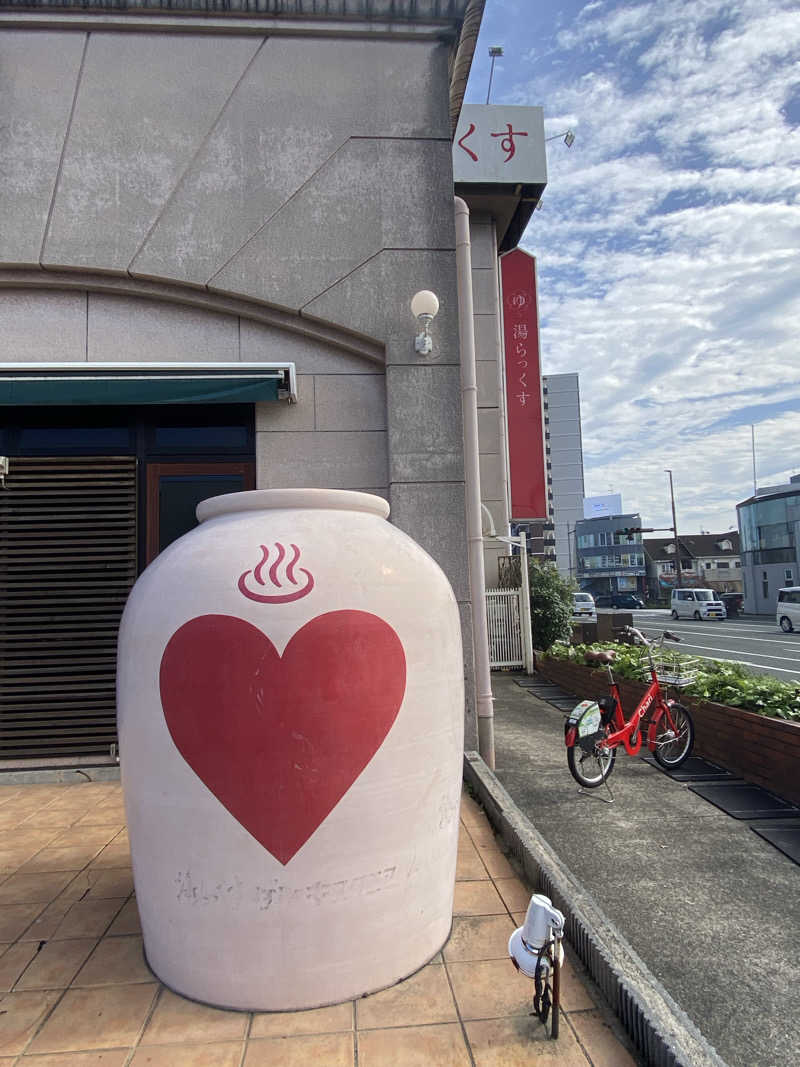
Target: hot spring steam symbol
point(246, 587)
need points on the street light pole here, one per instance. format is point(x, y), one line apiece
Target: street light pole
point(494, 52)
point(674, 530)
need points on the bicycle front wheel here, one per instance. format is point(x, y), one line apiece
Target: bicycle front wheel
point(590, 769)
point(674, 739)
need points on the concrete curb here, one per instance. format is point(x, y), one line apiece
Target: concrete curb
point(659, 1029)
point(60, 775)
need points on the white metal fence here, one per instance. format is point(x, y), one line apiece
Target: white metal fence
point(505, 631)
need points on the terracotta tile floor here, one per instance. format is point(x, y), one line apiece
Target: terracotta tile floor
point(75, 990)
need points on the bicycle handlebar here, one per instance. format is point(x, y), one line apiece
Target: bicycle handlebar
point(666, 635)
point(606, 657)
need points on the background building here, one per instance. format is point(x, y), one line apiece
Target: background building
point(708, 561)
point(609, 561)
point(769, 527)
point(562, 407)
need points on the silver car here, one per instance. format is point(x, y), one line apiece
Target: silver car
point(583, 606)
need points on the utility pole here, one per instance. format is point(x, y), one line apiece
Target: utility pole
point(674, 530)
point(753, 447)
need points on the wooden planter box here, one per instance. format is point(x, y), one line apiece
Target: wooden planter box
point(761, 750)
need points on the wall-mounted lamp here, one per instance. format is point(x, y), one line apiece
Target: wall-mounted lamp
point(424, 307)
point(567, 136)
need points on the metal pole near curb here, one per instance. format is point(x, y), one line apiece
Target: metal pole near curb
point(527, 628)
point(674, 531)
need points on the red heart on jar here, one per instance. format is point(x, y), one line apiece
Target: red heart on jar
point(280, 739)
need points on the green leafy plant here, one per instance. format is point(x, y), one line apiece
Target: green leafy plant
point(719, 681)
point(551, 604)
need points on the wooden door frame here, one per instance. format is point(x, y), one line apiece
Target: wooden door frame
point(154, 471)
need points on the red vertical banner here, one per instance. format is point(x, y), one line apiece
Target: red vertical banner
point(523, 386)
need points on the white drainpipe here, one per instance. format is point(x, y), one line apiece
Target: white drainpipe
point(469, 407)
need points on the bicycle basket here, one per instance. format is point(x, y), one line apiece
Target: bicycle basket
point(670, 670)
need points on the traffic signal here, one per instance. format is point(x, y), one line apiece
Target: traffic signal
point(629, 531)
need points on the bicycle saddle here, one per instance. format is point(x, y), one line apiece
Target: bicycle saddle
point(606, 656)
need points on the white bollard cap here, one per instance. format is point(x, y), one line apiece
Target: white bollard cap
point(526, 941)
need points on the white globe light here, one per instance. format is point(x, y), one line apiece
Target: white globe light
point(424, 303)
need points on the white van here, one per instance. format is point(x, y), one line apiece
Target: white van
point(583, 606)
point(787, 614)
point(697, 604)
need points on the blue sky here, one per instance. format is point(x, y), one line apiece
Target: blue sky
point(668, 242)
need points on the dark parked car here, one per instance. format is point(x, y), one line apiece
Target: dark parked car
point(619, 600)
point(733, 603)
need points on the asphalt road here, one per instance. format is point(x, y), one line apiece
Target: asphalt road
point(755, 641)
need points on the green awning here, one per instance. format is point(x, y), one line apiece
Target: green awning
point(137, 387)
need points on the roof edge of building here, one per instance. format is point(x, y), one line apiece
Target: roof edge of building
point(462, 58)
point(385, 10)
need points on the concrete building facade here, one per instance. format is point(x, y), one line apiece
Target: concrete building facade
point(769, 529)
point(191, 195)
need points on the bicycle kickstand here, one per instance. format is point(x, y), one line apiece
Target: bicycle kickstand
point(595, 796)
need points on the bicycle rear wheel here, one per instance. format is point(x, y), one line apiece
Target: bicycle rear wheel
point(590, 769)
point(673, 741)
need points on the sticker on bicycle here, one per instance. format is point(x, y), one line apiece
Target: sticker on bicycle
point(589, 722)
point(578, 711)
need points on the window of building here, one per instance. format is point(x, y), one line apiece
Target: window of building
point(787, 576)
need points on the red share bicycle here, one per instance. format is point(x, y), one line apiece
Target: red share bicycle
point(595, 729)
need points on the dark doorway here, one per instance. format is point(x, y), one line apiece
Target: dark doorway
point(175, 489)
point(92, 496)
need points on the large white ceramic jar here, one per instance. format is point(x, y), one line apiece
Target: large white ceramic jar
point(290, 703)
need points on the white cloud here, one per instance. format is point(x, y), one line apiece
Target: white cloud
point(668, 242)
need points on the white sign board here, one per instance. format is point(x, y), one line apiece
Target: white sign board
point(599, 507)
point(500, 145)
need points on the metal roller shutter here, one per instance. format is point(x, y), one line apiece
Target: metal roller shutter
point(67, 564)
